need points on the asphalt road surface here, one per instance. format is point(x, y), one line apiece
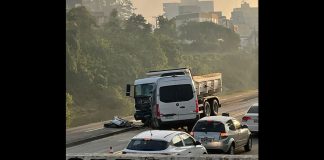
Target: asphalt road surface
point(235, 108)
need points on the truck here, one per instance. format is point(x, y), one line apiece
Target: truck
point(174, 98)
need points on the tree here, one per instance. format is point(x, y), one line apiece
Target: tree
point(124, 7)
point(206, 36)
point(166, 27)
point(68, 109)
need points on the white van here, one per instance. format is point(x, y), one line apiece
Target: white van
point(174, 98)
point(176, 102)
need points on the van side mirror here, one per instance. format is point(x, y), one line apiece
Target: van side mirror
point(197, 143)
point(128, 88)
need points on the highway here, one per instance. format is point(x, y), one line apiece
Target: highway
point(235, 105)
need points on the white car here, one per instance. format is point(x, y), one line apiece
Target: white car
point(164, 142)
point(251, 118)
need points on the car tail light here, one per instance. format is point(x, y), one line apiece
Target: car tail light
point(246, 118)
point(197, 106)
point(223, 135)
point(157, 111)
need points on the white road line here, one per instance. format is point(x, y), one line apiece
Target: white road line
point(238, 96)
point(93, 129)
point(118, 152)
point(224, 99)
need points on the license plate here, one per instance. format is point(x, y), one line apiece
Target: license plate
point(206, 140)
point(256, 121)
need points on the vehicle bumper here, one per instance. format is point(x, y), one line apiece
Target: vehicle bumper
point(253, 128)
point(180, 122)
point(217, 146)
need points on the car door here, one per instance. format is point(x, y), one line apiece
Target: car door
point(189, 143)
point(179, 146)
point(241, 140)
point(167, 101)
point(233, 132)
point(186, 101)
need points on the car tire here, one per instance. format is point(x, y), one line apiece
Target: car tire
point(207, 109)
point(214, 108)
point(231, 150)
point(248, 145)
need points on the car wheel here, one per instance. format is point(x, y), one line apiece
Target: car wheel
point(231, 150)
point(207, 109)
point(248, 145)
point(214, 110)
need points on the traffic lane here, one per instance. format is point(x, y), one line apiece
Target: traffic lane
point(224, 99)
point(120, 141)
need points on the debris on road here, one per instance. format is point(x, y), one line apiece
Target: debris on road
point(118, 122)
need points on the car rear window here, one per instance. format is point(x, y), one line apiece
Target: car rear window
point(176, 93)
point(254, 109)
point(209, 126)
point(147, 145)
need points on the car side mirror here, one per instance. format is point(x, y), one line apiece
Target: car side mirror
point(244, 126)
point(197, 143)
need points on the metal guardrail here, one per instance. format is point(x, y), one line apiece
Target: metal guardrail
point(158, 157)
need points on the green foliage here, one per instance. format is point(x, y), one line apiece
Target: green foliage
point(208, 36)
point(101, 61)
point(68, 109)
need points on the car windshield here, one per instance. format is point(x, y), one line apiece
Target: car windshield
point(147, 145)
point(254, 109)
point(144, 89)
point(209, 126)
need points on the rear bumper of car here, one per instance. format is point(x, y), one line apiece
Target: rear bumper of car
point(253, 128)
point(217, 146)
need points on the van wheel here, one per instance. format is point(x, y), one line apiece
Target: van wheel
point(214, 109)
point(207, 109)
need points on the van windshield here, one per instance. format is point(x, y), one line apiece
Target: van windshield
point(144, 89)
point(176, 93)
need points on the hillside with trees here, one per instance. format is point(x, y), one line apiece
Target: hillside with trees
point(101, 60)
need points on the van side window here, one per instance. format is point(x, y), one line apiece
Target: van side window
point(176, 93)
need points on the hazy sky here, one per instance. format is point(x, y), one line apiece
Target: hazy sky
point(151, 8)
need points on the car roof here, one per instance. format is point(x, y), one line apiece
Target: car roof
point(166, 135)
point(222, 119)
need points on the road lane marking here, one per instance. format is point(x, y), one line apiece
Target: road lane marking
point(93, 129)
point(118, 152)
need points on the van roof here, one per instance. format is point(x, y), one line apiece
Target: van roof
point(166, 78)
point(146, 80)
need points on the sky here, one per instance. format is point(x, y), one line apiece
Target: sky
point(153, 8)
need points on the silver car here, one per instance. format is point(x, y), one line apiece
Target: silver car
point(164, 142)
point(222, 133)
point(251, 118)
